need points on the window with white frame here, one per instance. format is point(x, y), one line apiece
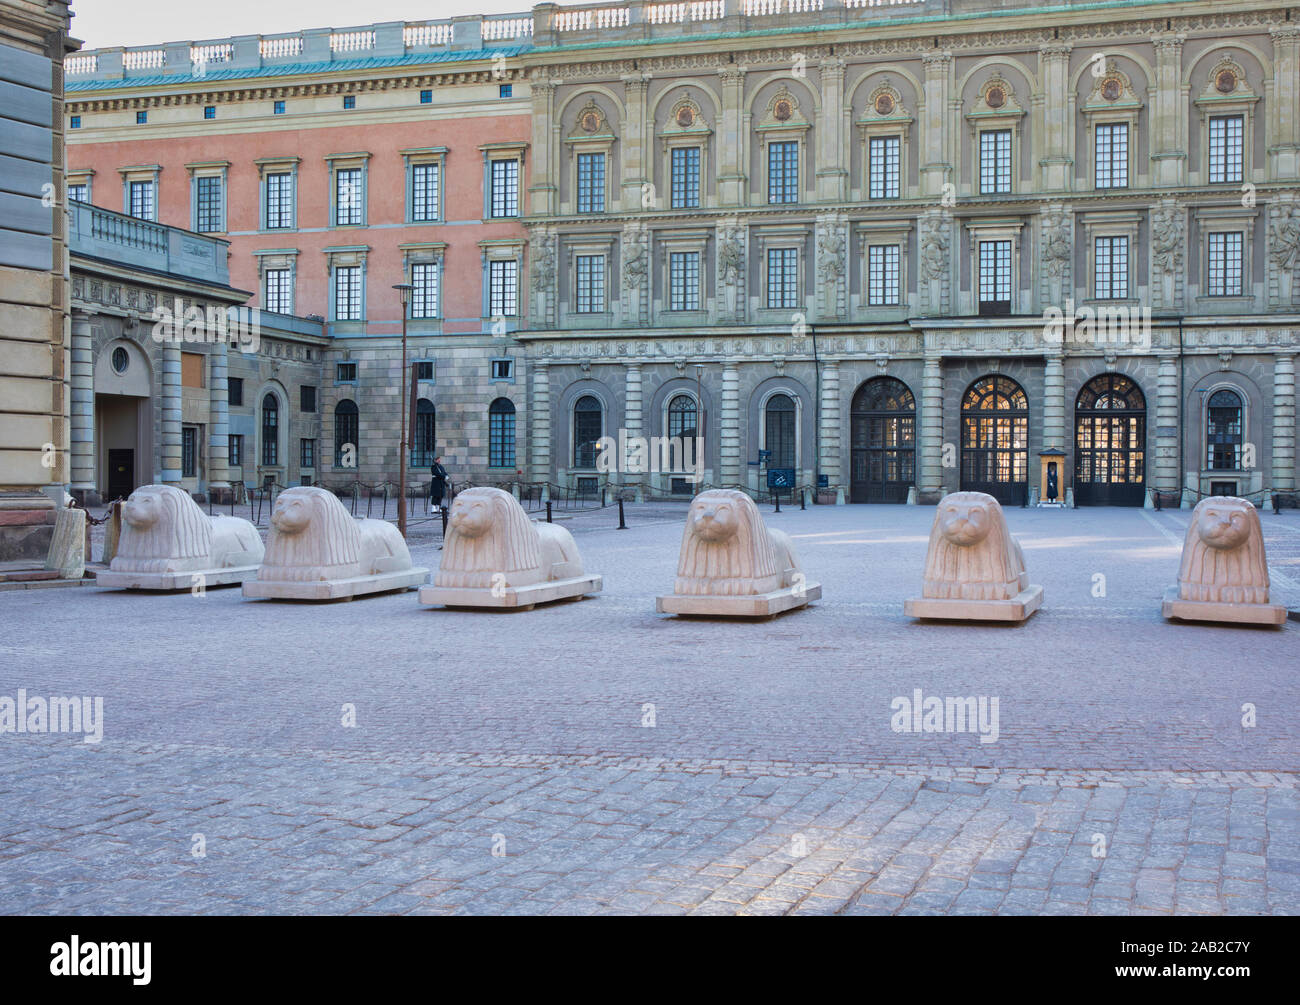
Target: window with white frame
point(883, 275)
point(278, 200)
point(1110, 155)
point(424, 290)
point(1227, 148)
point(995, 161)
point(347, 293)
point(782, 277)
point(79, 192)
point(425, 180)
point(503, 288)
point(883, 154)
point(1110, 268)
point(504, 175)
point(208, 204)
point(277, 295)
point(783, 171)
point(995, 277)
point(590, 284)
point(1225, 265)
point(349, 197)
point(685, 169)
point(684, 281)
point(142, 205)
point(591, 183)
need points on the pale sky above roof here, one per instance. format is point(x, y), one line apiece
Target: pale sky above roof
point(101, 23)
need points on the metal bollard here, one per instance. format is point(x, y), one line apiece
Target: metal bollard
point(444, 521)
point(622, 523)
point(803, 500)
point(777, 497)
point(548, 511)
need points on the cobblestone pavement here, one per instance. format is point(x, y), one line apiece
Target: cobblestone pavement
point(1122, 780)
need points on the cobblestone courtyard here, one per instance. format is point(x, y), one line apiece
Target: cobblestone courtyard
point(504, 762)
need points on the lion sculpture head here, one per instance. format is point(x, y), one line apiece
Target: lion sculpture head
point(972, 555)
point(163, 530)
point(726, 549)
point(313, 537)
point(488, 532)
point(1223, 554)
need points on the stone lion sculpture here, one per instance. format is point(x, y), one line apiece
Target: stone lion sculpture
point(972, 555)
point(1223, 554)
point(727, 550)
point(489, 535)
point(164, 531)
point(313, 538)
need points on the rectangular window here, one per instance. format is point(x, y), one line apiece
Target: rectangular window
point(505, 188)
point(307, 397)
point(1111, 268)
point(279, 200)
point(424, 295)
point(209, 111)
point(686, 178)
point(79, 193)
point(189, 452)
point(349, 101)
point(884, 159)
point(236, 453)
point(207, 212)
point(591, 284)
point(424, 192)
point(307, 454)
point(503, 369)
point(345, 373)
point(347, 197)
point(75, 123)
point(279, 291)
point(995, 162)
point(782, 277)
point(141, 118)
point(278, 108)
point(505, 90)
point(783, 171)
point(1226, 265)
point(882, 275)
point(1110, 152)
point(1227, 148)
point(142, 203)
point(235, 390)
point(426, 97)
point(684, 281)
point(995, 277)
point(503, 288)
point(347, 293)
point(591, 183)
point(424, 369)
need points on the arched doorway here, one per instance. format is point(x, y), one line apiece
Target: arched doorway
point(780, 431)
point(995, 440)
point(883, 428)
point(588, 427)
point(424, 436)
point(1110, 435)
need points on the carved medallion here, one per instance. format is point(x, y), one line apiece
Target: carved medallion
point(884, 104)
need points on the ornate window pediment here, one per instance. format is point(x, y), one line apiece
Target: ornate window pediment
point(783, 112)
point(1226, 88)
point(591, 125)
point(997, 100)
point(885, 107)
point(685, 119)
point(1112, 92)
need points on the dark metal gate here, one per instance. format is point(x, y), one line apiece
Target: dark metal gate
point(883, 463)
point(1110, 434)
point(995, 440)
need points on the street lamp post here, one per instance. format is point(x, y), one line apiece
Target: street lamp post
point(404, 292)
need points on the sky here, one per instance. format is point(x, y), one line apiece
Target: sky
point(101, 23)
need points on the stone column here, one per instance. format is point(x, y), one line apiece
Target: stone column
point(1054, 424)
point(82, 445)
point(633, 424)
point(833, 144)
point(732, 138)
point(219, 423)
point(932, 426)
point(1168, 463)
point(1284, 428)
point(540, 434)
point(829, 433)
point(936, 146)
point(1284, 148)
point(1057, 118)
point(636, 170)
point(542, 187)
point(729, 460)
point(1168, 129)
point(171, 414)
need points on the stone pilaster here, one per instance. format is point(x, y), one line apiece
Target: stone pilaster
point(729, 460)
point(732, 141)
point(1054, 402)
point(1284, 130)
point(829, 433)
point(833, 142)
point(1284, 427)
point(171, 414)
point(1056, 118)
point(1168, 463)
point(1168, 128)
point(540, 434)
point(932, 426)
point(82, 416)
point(543, 188)
point(635, 142)
point(633, 423)
point(937, 144)
point(219, 422)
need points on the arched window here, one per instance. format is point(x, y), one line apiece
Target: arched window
point(883, 424)
point(1223, 431)
point(501, 433)
point(424, 436)
point(1110, 418)
point(682, 419)
point(347, 423)
point(270, 430)
point(779, 431)
point(995, 439)
point(588, 422)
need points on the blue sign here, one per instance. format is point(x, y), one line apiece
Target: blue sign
point(780, 478)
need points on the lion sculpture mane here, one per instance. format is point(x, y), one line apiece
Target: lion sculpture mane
point(314, 538)
point(164, 531)
point(728, 551)
point(488, 533)
point(1223, 554)
point(972, 555)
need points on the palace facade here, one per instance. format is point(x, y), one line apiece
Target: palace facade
point(887, 249)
